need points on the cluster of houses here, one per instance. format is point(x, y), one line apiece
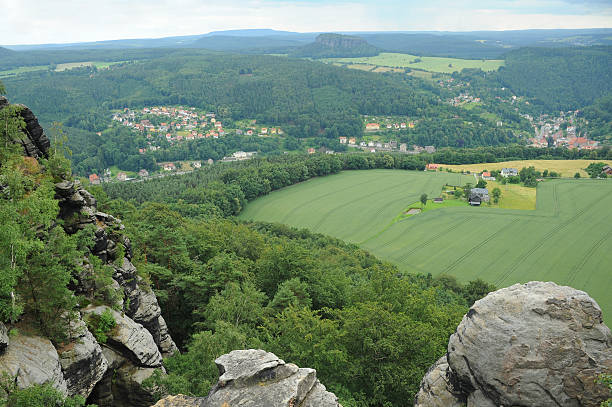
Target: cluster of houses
point(181, 124)
point(462, 99)
point(121, 176)
point(372, 127)
point(240, 156)
point(378, 146)
point(560, 131)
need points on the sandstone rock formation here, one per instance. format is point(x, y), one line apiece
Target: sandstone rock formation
point(33, 360)
point(132, 340)
point(258, 378)
point(528, 344)
point(82, 361)
point(436, 389)
point(35, 143)
point(136, 347)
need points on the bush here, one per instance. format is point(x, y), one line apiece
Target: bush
point(44, 395)
point(101, 325)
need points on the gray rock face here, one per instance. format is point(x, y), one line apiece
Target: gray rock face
point(4, 339)
point(534, 344)
point(166, 345)
point(130, 339)
point(33, 360)
point(436, 388)
point(33, 139)
point(82, 361)
point(258, 378)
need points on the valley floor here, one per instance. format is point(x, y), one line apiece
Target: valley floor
point(567, 239)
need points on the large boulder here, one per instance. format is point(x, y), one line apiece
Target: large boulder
point(253, 378)
point(130, 339)
point(30, 360)
point(534, 344)
point(82, 361)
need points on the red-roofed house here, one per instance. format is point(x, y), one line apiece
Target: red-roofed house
point(372, 126)
point(94, 179)
point(432, 167)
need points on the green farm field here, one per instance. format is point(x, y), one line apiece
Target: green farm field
point(566, 239)
point(431, 64)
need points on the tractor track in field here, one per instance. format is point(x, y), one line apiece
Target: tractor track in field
point(588, 256)
point(292, 211)
point(330, 211)
point(427, 242)
point(467, 254)
point(546, 237)
point(555, 200)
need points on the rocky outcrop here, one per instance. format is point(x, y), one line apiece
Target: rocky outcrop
point(335, 41)
point(30, 360)
point(82, 361)
point(135, 347)
point(33, 139)
point(130, 339)
point(259, 378)
point(528, 344)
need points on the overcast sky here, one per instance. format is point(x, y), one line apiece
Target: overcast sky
point(56, 21)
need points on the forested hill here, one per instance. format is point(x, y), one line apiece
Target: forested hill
point(559, 78)
point(309, 99)
point(311, 96)
point(5, 52)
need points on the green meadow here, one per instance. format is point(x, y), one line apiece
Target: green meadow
point(566, 239)
point(431, 64)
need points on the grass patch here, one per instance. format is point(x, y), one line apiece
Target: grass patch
point(431, 64)
point(23, 69)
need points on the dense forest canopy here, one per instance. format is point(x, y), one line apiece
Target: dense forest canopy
point(559, 78)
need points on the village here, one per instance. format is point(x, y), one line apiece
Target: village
point(180, 124)
point(560, 131)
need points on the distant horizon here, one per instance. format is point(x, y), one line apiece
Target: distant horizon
point(237, 30)
point(33, 22)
